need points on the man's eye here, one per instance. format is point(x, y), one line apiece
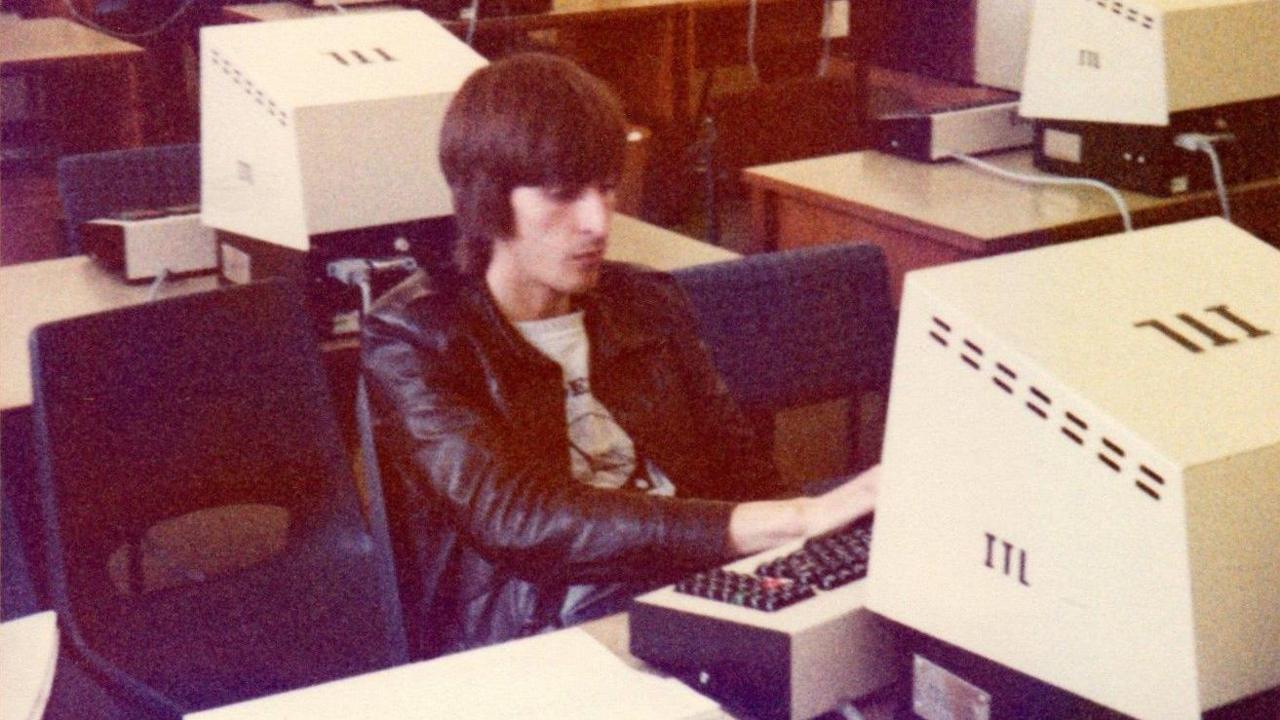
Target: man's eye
point(561, 194)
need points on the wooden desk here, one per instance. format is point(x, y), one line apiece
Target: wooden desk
point(647, 40)
point(928, 214)
point(73, 90)
point(649, 50)
point(54, 40)
point(29, 647)
point(79, 69)
point(636, 241)
point(535, 685)
point(39, 292)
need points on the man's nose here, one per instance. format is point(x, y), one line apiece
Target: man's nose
point(594, 210)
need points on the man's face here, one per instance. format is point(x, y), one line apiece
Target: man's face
point(558, 238)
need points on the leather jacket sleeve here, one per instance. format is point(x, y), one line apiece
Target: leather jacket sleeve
point(519, 511)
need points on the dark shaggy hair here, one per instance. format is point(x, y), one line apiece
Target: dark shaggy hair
point(530, 119)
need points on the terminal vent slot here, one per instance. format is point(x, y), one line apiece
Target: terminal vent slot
point(940, 332)
point(246, 85)
point(1040, 403)
point(1151, 474)
point(1126, 11)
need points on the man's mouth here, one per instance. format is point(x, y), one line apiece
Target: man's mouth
point(589, 258)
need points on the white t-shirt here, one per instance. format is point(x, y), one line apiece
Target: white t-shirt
point(600, 451)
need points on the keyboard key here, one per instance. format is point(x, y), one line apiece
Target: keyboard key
point(825, 562)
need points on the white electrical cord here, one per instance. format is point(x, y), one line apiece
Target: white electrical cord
point(158, 283)
point(474, 19)
point(1051, 180)
point(1204, 143)
point(828, 19)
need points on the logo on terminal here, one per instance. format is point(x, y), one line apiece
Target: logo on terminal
point(1206, 330)
point(361, 57)
point(1006, 552)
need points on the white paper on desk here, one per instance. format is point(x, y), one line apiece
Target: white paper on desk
point(28, 657)
point(556, 676)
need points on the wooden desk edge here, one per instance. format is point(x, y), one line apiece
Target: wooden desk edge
point(1150, 210)
point(766, 185)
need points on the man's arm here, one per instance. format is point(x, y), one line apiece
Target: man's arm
point(758, 526)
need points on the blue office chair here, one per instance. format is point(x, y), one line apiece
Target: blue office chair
point(795, 328)
point(202, 526)
point(95, 185)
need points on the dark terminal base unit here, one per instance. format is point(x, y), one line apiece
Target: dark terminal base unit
point(1145, 157)
point(335, 307)
point(952, 683)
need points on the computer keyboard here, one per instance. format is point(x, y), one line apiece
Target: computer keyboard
point(822, 563)
point(780, 635)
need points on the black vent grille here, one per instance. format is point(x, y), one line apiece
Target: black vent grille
point(1071, 426)
point(247, 85)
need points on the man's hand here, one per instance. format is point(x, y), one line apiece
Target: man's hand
point(844, 504)
point(758, 526)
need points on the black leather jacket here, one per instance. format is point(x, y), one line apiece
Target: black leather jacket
point(489, 526)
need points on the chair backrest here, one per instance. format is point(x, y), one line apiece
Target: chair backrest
point(95, 185)
point(204, 537)
point(397, 511)
point(794, 328)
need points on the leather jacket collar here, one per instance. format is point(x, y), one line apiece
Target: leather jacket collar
point(610, 333)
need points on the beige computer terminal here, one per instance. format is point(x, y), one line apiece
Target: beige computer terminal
point(1082, 466)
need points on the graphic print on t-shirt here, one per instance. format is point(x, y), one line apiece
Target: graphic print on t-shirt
point(600, 451)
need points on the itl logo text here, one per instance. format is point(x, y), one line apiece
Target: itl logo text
point(1216, 314)
point(361, 57)
point(1005, 556)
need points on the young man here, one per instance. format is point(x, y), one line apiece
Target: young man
point(555, 434)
